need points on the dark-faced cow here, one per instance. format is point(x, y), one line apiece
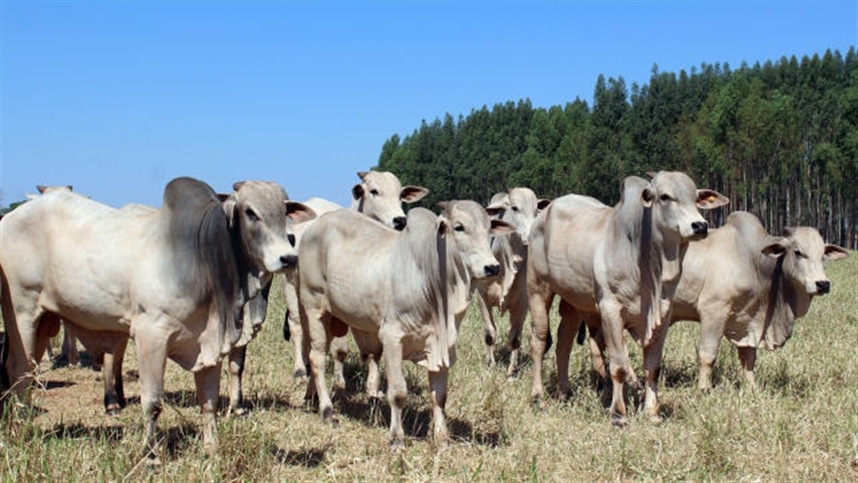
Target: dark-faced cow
point(401, 293)
point(379, 195)
point(749, 287)
point(508, 292)
point(176, 279)
point(618, 266)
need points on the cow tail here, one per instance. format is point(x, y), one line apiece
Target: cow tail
point(582, 334)
point(287, 334)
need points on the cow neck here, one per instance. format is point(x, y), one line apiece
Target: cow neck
point(651, 264)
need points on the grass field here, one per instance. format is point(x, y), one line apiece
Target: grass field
point(800, 424)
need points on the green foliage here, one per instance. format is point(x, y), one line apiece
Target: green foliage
point(779, 139)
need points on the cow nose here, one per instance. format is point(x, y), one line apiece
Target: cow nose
point(700, 227)
point(289, 260)
point(492, 270)
point(823, 286)
point(399, 222)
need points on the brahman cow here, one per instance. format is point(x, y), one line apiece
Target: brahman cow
point(508, 292)
point(403, 293)
point(175, 279)
point(379, 195)
point(745, 285)
point(619, 266)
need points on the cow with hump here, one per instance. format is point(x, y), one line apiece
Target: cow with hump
point(379, 196)
point(508, 292)
point(176, 279)
point(615, 268)
point(403, 294)
point(748, 286)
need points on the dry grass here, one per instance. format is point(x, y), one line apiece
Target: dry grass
point(800, 424)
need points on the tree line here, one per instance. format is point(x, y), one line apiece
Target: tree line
point(780, 139)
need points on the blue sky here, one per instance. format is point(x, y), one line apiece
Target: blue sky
point(117, 98)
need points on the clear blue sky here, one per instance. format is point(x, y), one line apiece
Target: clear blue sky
point(117, 98)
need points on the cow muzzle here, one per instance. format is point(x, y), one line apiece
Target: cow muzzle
point(399, 223)
point(700, 229)
point(491, 270)
point(289, 261)
point(823, 287)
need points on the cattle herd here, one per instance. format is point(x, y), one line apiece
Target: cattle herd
point(190, 282)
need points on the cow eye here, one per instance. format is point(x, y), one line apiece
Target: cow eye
point(515, 208)
point(251, 215)
point(799, 254)
point(373, 192)
point(459, 227)
point(665, 197)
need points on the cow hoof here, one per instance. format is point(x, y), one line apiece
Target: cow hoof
point(339, 385)
point(300, 375)
point(619, 421)
point(113, 410)
point(153, 464)
point(397, 444)
point(237, 412)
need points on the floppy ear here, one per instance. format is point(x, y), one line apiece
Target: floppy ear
point(500, 227)
point(542, 204)
point(357, 191)
point(834, 252)
point(496, 209)
point(362, 174)
point(237, 185)
point(410, 194)
point(298, 212)
point(709, 199)
point(775, 247)
point(647, 196)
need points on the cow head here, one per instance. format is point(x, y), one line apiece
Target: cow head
point(675, 201)
point(260, 210)
point(803, 252)
point(380, 195)
point(468, 225)
point(518, 207)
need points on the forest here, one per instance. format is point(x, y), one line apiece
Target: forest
point(780, 139)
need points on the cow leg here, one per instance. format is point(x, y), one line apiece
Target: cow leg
point(236, 370)
point(370, 351)
point(69, 350)
point(539, 305)
point(570, 320)
point(596, 344)
point(319, 336)
point(612, 329)
point(711, 331)
point(397, 388)
point(517, 315)
point(297, 334)
point(339, 352)
point(208, 385)
point(748, 358)
point(111, 371)
point(489, 329)
point(438, 393)
point(151, 361)
point(20, 324)
point(652, 355)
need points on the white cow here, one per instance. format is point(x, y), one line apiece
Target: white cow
point(619, 265)
point(749, 287)
point(401, 292)
point(379, 195)
point(508, 292)
point(176, 279)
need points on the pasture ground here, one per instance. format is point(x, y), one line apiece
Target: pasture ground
point(800, 424)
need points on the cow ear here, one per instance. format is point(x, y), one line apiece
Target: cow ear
point(710, 199)
point(443, 223)
point(42, 188)
point(542, 203)
point(362, 174)
point(237, 185)
point(444, 206)
point(298, 212)
point(789, 231)
point(222, 197)
point(647, 196)
point(775, 247)
point(651, 174)
point(410, 194)
point(500, 227)
point(357, 191)
point(834, 252)
point(496, 209)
